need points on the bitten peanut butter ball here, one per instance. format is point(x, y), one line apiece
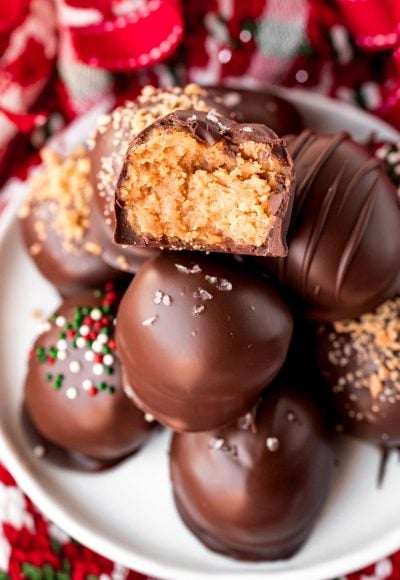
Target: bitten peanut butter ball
point(73, 392)
point(54, 221)
point(344, 237)
point(359, 361)
point(199, 339)
point(254, 489)
point(107, 150)
point(198, 181)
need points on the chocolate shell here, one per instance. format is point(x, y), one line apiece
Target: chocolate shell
point(251, 106)
point(73, 392)
point(200, 339)
point(54, 221)
point(344, 236)
point(107, 150)
point(198, 181)
point(254, 489)
point(359, 361)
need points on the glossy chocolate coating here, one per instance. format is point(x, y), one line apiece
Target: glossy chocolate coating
point(250, 106)
point(210, 129)
point(70, 272)
point(199, 339)
point(107, 150)
point(96, 420)
point(253, 490)
point(344, 234)
point(360, 364)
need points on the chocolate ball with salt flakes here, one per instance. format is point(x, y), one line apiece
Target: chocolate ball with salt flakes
point(108, 147)
point(200, 339)
point(359, 361)
point(54, 221)
point(73, 392)
point(252, 490)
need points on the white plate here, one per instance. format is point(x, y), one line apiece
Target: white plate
point(127, 513)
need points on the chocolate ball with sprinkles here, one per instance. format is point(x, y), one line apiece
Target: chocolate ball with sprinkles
point(108, 147)
point(73, 392)
point(359, 361)
point(253, 490)
point(200, 339)
point(54, 220)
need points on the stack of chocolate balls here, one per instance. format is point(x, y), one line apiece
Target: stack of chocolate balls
point(193, 243)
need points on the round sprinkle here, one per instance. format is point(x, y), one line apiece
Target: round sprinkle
point(75, 366)
point(97, 346)
point(96, 314)
point(61, 355)
point(71, 393)
point(149, 418)
point(98, 369)
point(62, 344)
point(60, 321)
point(272, 444)
point(102, 338)
point(84, 330)
point(80, 342)
point(87, 384)
point(108, 360)
point(89, 356)
point(39, 451)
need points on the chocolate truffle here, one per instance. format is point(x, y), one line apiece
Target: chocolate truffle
point(107, 150)
point(250, 106)
point(73, 392)
point(360, 363)
point(344, 236)
point(199, 339)
point(55, 224)
point(253, 490)
point(197, 181)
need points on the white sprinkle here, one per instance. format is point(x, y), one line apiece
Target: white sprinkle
point(89, 355)
point(150, 321)
point(84, 330)
point(158, 297)
point(184, 270)
point(75, 366)
point(87, 385)
point(62, 344)
point(108, 360)
point(202, 294)
point(217, 442)
point(224, 285)
point(272, 444)
point(71, 393)
point(98, 369)
point(211, 279)
point(245, 35)
point(198, 308)
point(39, 451)
point(149, 418)
point(61, 355)
point(102, 338)
point(97, 346)
point(81, 342)
point(60, 321)
point(96, 314)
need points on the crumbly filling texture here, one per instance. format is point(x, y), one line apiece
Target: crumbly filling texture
point(130, 119)
point(59, 199)
point(185, 190)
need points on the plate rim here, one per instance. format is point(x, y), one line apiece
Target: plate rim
point(12, 459)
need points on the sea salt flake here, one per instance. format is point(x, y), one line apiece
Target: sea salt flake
point(149, 321)
point(198, 308)
point(184, 270)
